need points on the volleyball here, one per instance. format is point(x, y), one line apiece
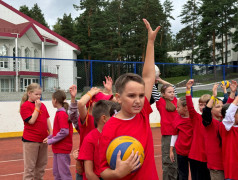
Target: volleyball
point(226, 83)
point(126, 144)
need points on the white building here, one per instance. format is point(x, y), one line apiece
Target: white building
point(33, 40)
point(181, 57)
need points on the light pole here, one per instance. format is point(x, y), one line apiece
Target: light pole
point(57, 66)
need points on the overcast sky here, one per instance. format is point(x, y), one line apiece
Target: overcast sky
point(52, 9)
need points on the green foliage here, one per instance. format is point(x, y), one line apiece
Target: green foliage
point(35, 13)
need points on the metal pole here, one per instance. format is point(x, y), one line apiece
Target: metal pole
point(57, 66)
point(91, 74)
point(191, 77)
point(16, 61)
point(40, 72)
point(224, 72)
point(135, 68)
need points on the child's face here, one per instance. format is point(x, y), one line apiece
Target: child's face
point(54, 102)
point(35, 95)
point(216, 110)
point(132, 98)
point(169, 93)
point(201, 106)
point(180, 109)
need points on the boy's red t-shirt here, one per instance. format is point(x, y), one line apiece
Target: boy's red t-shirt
point(197, 150)
point(184, 128)
point(167, 118)
point(213, 146)
point(38, 131)
point(139, 128)
point(85, 129)
point(64, 146)
point(90, 150)
point(229, 151)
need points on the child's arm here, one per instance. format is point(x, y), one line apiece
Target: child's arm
point(108, 85)
point(73, 109)
point(229, 119)
point(191, 110)
point(123, 168)
point(172, 143)
point(206, 114)
point(223, 86)
point(88, 166)
point(59, 136)
point(49, 127)
point(233, 88)
point(148, 73)
point(84, 100)
point(36, 112)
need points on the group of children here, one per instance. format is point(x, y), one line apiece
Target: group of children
point(204, 142)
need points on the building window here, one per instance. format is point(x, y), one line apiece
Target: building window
point(228, 53)
point(26, 82)
point(27, 61)
point(14, 59)
point(4, 61)
point(7, 85)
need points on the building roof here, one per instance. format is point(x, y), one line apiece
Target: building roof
point(10, 30)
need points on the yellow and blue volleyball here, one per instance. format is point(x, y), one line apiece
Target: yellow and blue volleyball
point(226, 83)
point(126, 144)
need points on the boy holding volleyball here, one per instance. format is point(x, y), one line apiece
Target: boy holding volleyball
point(132, 93)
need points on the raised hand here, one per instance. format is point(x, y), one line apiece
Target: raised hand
point(190, 83)
point(151, 34)
point(38, 104)
point(233, 86)
point(214, 90)
point(108, 84)
point(73, 90)
point(94, 90)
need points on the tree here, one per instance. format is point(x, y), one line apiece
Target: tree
point(190, 18)
point(35, 13)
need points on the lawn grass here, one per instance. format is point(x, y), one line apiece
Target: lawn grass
point(201, 92)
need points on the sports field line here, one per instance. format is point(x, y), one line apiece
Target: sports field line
point(4, 175)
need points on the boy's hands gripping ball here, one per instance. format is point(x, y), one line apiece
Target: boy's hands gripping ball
point(126, 144)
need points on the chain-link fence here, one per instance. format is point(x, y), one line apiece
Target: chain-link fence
point(55, 74)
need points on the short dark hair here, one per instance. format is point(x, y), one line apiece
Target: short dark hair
point(183, 101)
point(224, 108)
point(104, 107)
point(124, 79)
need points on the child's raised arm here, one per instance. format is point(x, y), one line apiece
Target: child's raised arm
point(148, 73)
point(73, 109)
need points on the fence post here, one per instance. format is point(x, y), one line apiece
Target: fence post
point(41, 76)
point(191, 77)
point(224, 72)
point(135, 68)
point(91, 73)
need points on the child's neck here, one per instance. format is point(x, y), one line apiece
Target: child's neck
point(99, 128)
point(122, 115)
point(58, 106)
point(218, 118)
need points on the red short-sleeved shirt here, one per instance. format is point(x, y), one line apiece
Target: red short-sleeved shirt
point(184, 128)
point(64, 146)
point(85, 129)
point(38, 131)
point(167, 118)
point(197, 150)
point(139, 128)
point(90, 150)
point(213, 146)
point(229, 151)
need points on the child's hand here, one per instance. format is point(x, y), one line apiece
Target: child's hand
point(189, 84)
point(214, 90)
point(171, 155)
point(45, 140)
point(76, 154)
point(151, 34)
point(73, 91)
point(38, 104)
point(94, 90)
point(233, 86)
point(108, 84)
point(124, 168)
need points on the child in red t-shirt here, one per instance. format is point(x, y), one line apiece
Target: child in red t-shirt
point(229, 135)
point(132, 93)
point(197, 154)
point(183, 140)
point(89, 151)
point(62, 138)
point(36, 128)
point(212, 120)
point(85, 122)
